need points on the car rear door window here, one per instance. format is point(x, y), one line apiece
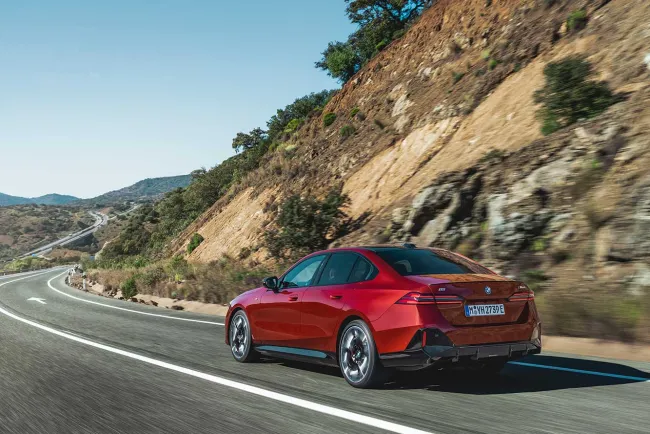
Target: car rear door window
point(362, 271)
point(302, 274)
point(338, 269)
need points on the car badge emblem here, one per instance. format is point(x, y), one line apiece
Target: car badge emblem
point(488, 290)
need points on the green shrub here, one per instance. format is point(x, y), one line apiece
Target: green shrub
point(178, 268)
point(457, 76)
point(380, 46)
point(492, 63)
point(129, 288)
point(347, 131)
point(399, 34)
point(329, 119)
point(568, 96)
point(485, 55)
point(153, 276)
point(539, 245)
point(307, 224)
point(293, 125)
point(577, 20)
point(354, 112)
point(196, 240)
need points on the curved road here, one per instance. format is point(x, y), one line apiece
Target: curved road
point(85, 364)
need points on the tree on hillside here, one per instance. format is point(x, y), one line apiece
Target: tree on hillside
point(380, 22)
point(249, 141)
point(398, 12)
point(300, 109)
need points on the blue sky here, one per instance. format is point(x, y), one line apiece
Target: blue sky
point(95, 96)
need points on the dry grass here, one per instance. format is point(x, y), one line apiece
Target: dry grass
point(217, 282)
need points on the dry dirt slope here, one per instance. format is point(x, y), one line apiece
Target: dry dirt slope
point(416, 122)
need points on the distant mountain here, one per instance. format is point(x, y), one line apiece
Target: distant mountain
point(150, 188)
point(48, 199)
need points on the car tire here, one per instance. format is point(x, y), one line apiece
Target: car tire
point(358, 357)
point(240, 338)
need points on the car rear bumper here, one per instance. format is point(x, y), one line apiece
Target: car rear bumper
point(441, 354)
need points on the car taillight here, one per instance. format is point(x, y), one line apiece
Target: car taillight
point(420, 298)
point(523, 293)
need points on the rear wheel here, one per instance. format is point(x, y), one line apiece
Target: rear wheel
point(241, 342)
point(358, 357)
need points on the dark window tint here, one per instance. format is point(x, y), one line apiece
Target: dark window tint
point(408, 262)
point(338, 268)
point(302, 274)
point(362, 271)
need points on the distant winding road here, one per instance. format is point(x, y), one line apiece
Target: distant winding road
point(71, 362)
point(100, 220)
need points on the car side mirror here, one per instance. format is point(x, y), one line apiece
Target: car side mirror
point(271, 283)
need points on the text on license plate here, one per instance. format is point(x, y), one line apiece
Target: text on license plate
point(484, 310)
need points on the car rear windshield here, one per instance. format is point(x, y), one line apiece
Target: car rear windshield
point(416, 262)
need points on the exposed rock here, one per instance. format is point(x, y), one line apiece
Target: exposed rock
point(543, 180)
point(518, 230)
point(133, 299)
point(641, 232)
point(558, 222)
point(433, 229)
point(426, 206)
point(399, 217)
point(153, 303)
point(641, 280)
point(177, 307)
point(646, 60)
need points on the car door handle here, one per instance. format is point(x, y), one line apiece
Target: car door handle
point(293, 298)
point(336, 297)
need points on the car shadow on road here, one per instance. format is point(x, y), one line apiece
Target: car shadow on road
point(517, 378)
point(512, 379)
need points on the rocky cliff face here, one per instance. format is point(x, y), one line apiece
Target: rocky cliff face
point(448, 152)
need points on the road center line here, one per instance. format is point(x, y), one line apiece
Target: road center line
point(287, 399)
point(580, 371)
point(49, 283)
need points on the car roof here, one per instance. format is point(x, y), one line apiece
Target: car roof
point(374, 248)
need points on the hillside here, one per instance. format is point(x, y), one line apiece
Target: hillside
point(440, 140)
point(147, 189)
point(24, 227)
point(48, 199)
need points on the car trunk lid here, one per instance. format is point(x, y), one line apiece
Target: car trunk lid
point(475, 290)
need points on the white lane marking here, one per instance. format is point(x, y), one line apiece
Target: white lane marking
point(28, 273)
point(580, 371)
point(49, 283)
point(287, 399)
point(40, 300)
point(26, 277)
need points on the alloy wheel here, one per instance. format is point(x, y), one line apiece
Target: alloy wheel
point(355, 354)
point(239, 336)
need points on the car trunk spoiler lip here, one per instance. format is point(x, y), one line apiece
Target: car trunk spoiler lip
point(437, 279)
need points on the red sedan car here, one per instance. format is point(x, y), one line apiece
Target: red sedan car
point(371, 309)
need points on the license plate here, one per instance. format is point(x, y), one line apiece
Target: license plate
point(484, 310)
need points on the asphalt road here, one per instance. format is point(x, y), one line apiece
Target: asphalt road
point(72, 365)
